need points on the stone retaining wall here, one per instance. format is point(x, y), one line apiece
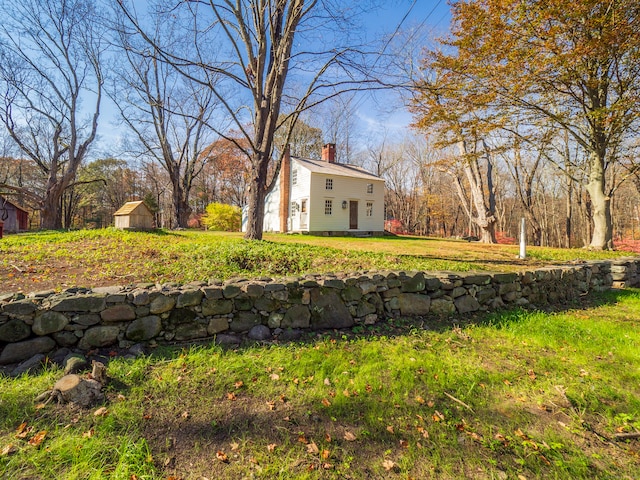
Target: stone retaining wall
point(266, 309)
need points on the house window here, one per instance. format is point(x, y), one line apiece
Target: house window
point(328, 184)
point(369, 209)
point(294, 208)
point(328, 207)
point(369, 187)
point(294, 177)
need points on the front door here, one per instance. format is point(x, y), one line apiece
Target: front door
point(353, 215)
point(303, 214)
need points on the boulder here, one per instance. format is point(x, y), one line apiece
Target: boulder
point(118, 313)
point(217, 325)
point(190, 331)
point(161, 304)
point(99, 337)
point(244, 321)
point(14, 331)
point(466, 304)
point(216, 307)
point(18, 352)
point(189, 298)
point(298, 316)
point(49, 322)
point(93, 303)
point(144, 328)
point(414, 304)
point(260, 332)
point(328, 311)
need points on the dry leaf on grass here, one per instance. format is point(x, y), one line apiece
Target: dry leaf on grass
point(38, 438)
point(8, 450)
point(313, 448)
point(101, 412)
point(388, 465)
point(220, 455)
point(349, 437)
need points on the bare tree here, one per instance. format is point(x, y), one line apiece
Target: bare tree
point(167, 113)
point(50, 77)
point(266, 48)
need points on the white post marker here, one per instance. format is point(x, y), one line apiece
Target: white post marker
point(523, 240)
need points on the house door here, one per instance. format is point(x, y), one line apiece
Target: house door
point(353, 215)
point(303, 214)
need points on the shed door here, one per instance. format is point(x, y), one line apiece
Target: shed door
point(353, 214)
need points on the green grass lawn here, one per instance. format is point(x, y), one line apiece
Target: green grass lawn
point(512, 395)
point(91, 258)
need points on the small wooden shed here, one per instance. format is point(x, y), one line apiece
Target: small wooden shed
point(134, 216)
point(15, 219)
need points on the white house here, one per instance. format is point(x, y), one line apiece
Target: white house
point(324, 197)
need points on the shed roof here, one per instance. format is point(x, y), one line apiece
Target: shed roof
point(341, 169)
point(4, 201)
point(129, 207)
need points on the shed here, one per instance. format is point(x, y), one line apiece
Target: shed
point(134, 216)
point(15, 219)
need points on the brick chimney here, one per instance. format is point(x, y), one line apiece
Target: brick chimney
point(285, 190)
point(329, 153)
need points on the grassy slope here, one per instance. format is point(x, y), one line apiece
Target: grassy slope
point(517, 395)
point(89, 258)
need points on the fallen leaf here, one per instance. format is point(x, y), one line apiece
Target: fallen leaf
point(37, 439)
point(313, 448)
point(89, 433)
point(420, 400)
point(239, 384)
point(327, 438)
point(390, 429)
point(220, 455)
point(388, 465)
point(234, 446)
point(121, 397)
point(302, 439)
point(437, 416)
point(346, 392)
point(506, 382)
point(326, 402)
point(368, 388)
point(327, 382)
point(101, 412)
point(532, 374)
point(271, 447)
point(283, 398)
point(327, 466)
point(231, 396)
point(8, 450)
point(349, 437)
point(272, 405)
point(430, 404)
point(404, 444)
point(40, 406)
point(185, 414)
point(325, 454)
point(22, 431)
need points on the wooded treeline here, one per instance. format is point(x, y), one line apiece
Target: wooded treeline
point(535, 117)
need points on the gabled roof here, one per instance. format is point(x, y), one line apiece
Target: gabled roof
point(340, 169)
point(129, 207)
point(4, 201)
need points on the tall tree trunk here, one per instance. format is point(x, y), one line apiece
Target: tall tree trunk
point(255, 199)
point(602, 237)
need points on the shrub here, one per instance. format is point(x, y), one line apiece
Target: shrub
point(222, 217)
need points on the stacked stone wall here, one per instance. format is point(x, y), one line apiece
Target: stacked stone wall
point(82, 319)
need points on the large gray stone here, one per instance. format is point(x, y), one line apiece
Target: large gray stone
point(14, 331)
point(298, 316)
point(144, 328)
point(118, 313)
point(244, 321)
point(414, 304)
point(99, 337)
point(351, 293)
point(31, 365)
point(82, 303)
point(181, 315)
point(260, 332)
point(442, 307)
point(414, 284)
point(466, 304)
point(190, 331)
point(49, 322)
point(20, 308)
point(328, 310)
point(18, 352)
point(87, 319)
point(217, 325)
point(65, 339)
point(216, 307)
point(266, 304)
point(189, 298)
point(161, 304)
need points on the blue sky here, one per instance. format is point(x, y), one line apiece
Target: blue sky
point(424, 19)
